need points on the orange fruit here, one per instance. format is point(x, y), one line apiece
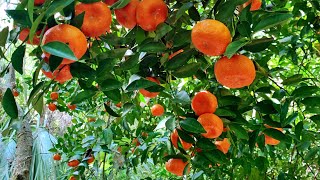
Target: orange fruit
point(269, 140)
point(144, 134)
point(212, 124)
point(97, 18)
point(157, 110)
point(223, 145)
point(174, 139)
point(119, 104)
point(69, 35)
point(90, 160)
point(175, 53)
point(148, 94)
point(204, 102)
point(72, 106)
point(60, 75)
point(110, 2)
point(151, 13)
point(237, 72)
point(176, 166)
point(211, 37)
point(255, 4)
point(54, 96)
point(136, 142)
point(52, 107)
point(126, 16)
point(72, 178)
point(24, 34)
point(15, 93)
point(38, 2)
point(57, 157)
point(73, 163)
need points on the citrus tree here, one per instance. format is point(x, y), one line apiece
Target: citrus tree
point(201, 89)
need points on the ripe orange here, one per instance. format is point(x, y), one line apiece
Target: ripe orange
point(136, 142)
point(157, 110)
point(175, 53)
point(110, 2)
point(52, 107)
point(72, 106)
point(69, 35)
point(54, 96)
point(57, 157)
point(38, 2)
point(148, 94)
point(212, 124)
point(255, 4)
point(97, 18)
point(223, 145)
point(90, 160)
point(24, 34)
point(126, 16)
point(60, 75)
point(119, 104)
point(73, 163)
point(176, 166)
point(237, 72)
point(174, 139)
point(269, 140)
point(151, 13)
point(15, 93)
point(204, 102)
point(211, 37)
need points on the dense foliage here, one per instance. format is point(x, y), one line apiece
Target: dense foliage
point(113, 122)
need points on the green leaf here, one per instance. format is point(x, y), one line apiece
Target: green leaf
point(152, 47)
point(78, 20)
point(185, 137)
point(266, 107)
point(140, 84)
point(35, 25)
point(225, 113)
point(194, 14)
point(57, 6)
point(192, 125)
point(179, 60)
point(54, 62)
point(258, 45)
point(289, 119)
point(183, 9)
point(162, 30)
point(84, 95)
point(170, 123)
point(131, 62)
point(316, 119)
point(36, 89)
point(9, 104)
point(114, 94)
point(226, 10)
point(20, 17)
point(4, 36)
point(59, 49)
point(107, 135)
point(120, 4)
point(187, 70)
point(305, 91)
point(17, 58)
point(276, 134)
point(110, 84)
point(292, 79)
point(239, 131)
point(272, 20)
point(216, 156)
point(312, 153)
point(182, 97)
point(205, 144)
point(110, 111)
point(37, 103)
point(235, 46)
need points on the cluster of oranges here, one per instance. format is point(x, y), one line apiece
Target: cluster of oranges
point(204, 104)
point(54, 97)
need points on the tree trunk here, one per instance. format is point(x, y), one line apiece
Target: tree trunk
point(23, 155)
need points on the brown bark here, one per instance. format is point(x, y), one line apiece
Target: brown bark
point(23, 157)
